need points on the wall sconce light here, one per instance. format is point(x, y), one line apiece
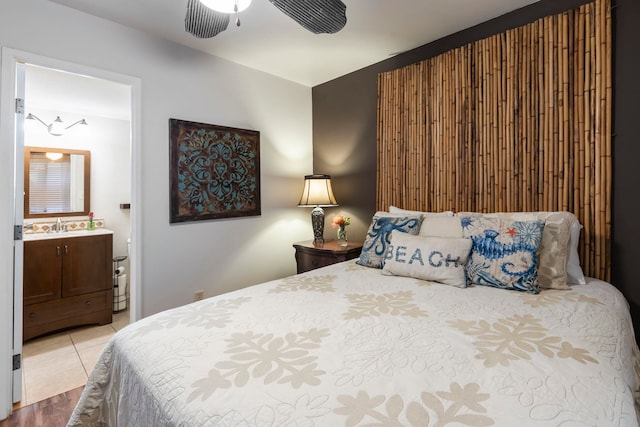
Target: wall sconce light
point(317, 193)
point(56, 128)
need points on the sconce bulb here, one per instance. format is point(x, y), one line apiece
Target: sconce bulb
point(57, 127)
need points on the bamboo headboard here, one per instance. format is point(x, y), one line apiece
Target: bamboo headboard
point(520, 121)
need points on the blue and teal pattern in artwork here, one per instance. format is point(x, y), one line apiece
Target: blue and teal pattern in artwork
point(378, 239)
point(217, 172)
point(504, 254)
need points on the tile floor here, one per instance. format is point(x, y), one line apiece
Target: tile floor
point(58, 363)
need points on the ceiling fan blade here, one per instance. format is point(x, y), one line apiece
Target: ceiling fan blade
point(317, 16)
point(203, 22)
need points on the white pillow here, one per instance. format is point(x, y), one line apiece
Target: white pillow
point(396, 210)
point(575, 275)
point(441, 226)
point(436, 259)
point(383, 214)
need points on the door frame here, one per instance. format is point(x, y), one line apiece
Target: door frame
point(8, 156)
point(18, 214)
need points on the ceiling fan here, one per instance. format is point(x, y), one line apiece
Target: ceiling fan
point(207, 18)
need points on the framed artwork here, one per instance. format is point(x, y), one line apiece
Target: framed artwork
point(215, 171)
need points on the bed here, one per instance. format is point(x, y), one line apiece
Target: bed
point(346, 345)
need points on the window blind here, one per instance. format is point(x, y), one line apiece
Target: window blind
point(49, 183)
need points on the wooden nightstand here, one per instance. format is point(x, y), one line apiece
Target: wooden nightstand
point(310, 256)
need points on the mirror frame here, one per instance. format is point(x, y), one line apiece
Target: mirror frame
point(87, 181)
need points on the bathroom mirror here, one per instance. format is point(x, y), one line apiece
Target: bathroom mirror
point(56, 182)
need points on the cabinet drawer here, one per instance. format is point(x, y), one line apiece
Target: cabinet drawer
point(62, 313)
point(310, 256)
point(308, 262)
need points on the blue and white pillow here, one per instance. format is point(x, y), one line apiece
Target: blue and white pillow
point(436, 259)
point(376, 243)
point(504, 253)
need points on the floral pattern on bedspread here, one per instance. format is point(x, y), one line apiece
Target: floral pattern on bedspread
point(346, 346)
point(277, 359)
point(549, 298)
point(439, 409)
point(212, 314)
point(395, 304)
point(379, 350)
point(517, 337)
point(305, 283)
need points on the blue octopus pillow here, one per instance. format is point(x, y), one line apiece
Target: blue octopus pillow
point(377, 241)
point(504, 253)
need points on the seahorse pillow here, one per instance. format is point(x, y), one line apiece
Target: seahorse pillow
point(437, 259)
point(556, 248)
point(378, 236)
point(504, 253)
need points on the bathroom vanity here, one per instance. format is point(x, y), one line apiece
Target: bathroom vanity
point(67, 280)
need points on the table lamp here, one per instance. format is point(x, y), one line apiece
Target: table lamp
point(317, 193)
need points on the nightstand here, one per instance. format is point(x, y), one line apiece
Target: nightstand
point(310, 256)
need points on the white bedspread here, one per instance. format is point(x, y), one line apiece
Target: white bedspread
point(346, 346)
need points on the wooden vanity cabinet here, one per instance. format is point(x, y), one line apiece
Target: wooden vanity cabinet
point(42, 272)
point(67, 282)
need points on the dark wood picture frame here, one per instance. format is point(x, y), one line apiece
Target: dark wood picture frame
point(214, 171)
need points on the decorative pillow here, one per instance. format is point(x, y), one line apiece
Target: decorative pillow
point(376, 241)
point(556, 245)
point(441, 226)
point(504, 253)
point(396, 210)
point(575, 275)
point(381, 214)
point(437, 259)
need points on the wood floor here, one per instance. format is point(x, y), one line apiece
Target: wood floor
point(52, 412)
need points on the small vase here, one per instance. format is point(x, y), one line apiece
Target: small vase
point(91, 225)
point(342, 236)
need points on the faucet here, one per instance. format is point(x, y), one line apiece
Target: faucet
point(59, 225)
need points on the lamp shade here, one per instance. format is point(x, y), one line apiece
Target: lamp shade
point(317, 191)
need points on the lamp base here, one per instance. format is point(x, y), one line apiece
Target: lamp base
point(317, 222)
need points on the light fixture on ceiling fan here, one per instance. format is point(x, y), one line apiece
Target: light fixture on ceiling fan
point(227, 6)
point(56, 128)
point(207, 18)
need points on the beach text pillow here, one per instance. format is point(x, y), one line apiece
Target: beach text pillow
point(437, 259)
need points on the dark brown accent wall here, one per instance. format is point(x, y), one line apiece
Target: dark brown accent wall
point(344, 128)
point(625, 259)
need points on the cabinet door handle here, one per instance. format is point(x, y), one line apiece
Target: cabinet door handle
point(32, 315)
point(58, 250)
point(66, 249)
point(88, 303)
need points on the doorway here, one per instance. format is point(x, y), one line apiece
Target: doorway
point(96, 118)
point(66, 78)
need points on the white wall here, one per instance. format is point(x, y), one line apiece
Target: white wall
point(177, 82)
point(108, 140)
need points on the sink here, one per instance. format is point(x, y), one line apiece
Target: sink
point(63, 234)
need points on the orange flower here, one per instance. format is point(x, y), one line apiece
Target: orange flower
point(341, 221)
